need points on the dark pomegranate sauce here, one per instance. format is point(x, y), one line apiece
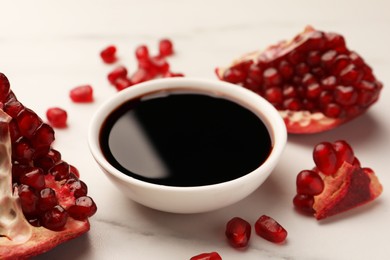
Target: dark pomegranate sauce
point(184, 140)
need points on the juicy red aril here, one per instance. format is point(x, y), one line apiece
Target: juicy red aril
point(108, 55)
point(142, 52)
point(309, 183)
point(165, 47)
point(122, 83)
point(238, 232)
point(13, 108)
point(57, 117)
point(48, 160)
point(269, 229)
point(33, 178)
point(60, 171)
point(140, 75)
point(118, 72)
point(47, 199)
point(345, 95)
point(55, 218)
point(83, 208)
point(28, 122)
point(234, 75)
point(28, 200)
point(82, 94)
point(325, 158)
point(207, 256)
point(4, 87)
point(73, 170)
point(304, 203)
point(344, 153)
point(22, 151)
point(78, 187)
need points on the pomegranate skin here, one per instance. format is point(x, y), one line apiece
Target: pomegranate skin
point(314, 80)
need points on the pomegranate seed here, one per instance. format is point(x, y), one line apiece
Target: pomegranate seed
point(22, 150)
point(28, 122)
point(345, 95)
point(234, 76)
point(47, 199)
point(269, 229)
point(165, 47)
point(34, 178)
point(159, 64)
point(83, 208)
point(73, 170)
point(108, 55)
point(333, 110)
point(140, 75)
point(78, 187)
point(309, 183)
point(170, 74)
point(48, 160)
point(329, 82)
point(271, 77)
point(274, 95)
point(304, 203)
point(142, 52)
point(82, 94)
point(13, 108)
point(57, 117)
point(344, 153)
point(292, 104)
point(313, 91)
point(60, 171)
point(28, 200)
point(55, 218)
point(4, 87)
point(238, 232)
point(314, 58)
point(207, 256)
point(325, 158)
point(118, 72)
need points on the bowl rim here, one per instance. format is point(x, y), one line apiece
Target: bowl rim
point(254, 102)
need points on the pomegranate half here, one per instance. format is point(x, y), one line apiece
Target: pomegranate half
point(314, 80)
point(42, 200)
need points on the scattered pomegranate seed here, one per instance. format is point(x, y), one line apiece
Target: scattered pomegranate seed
point(238, 232)
point(165, 47)
point(117, 73)
point(82, 94)
point(142, 52)
point(325, 158)
point(304, 203)
point(207, 256)
point(269, 229)
point(57, 117)
point(108, 55)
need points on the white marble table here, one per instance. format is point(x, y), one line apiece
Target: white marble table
point(46, 48)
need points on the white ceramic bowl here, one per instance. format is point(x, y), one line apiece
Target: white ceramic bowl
point(199, 198)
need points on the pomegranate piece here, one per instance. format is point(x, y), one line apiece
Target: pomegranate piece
point(269, 229)
point(108, 54)
point(38, 189)
point(207, 256)
point(314, 80)
point(82, 94)
point(238, 232)
point(344, 183)
point(57, 117)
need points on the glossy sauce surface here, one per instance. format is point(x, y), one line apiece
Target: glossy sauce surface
point(184, 140)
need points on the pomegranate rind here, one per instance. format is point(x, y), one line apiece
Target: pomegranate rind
point(348, 188)
point(43, 240)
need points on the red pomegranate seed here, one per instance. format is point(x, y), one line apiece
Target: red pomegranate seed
point(271, 77)
point(332, 110)
point(344, 153)
point(57, 117)
point(60, 171)
point(269, 229)
point(13, 108)
point(28, 121)
point(238, 232)
point(207, 256)
point(142, 52)
point(160, 64)
point(82, 94)
point(28, 200)
point(47, 199)
point(108, 55)
point(165, 47)
point(140, 75)
point(33, 178)
point(73, 170)
point(48, 160)
point(345, 95)
point(83, 208)
point(234, 75)
point(22, 150)
point(4, 87)
point(78, 187)
point(304, 203)
point(170, 74)
point(118, 72)
point(325, 158)
point(122, 83)
point(309, 183)
point(55, 218)
point(274, 95)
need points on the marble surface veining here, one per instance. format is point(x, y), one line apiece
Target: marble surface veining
point(48, 47)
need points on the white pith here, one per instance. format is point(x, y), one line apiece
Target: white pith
point(14, 228)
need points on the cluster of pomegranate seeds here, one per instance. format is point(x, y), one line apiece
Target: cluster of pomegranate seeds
point(314, 72)
point(337, 183)
point(82, 94)
point(149, 67)
point(269, 229)
point(108, 54)
point(238, 232)
point(57, 117)
point(50, 190)
point(207, 256)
